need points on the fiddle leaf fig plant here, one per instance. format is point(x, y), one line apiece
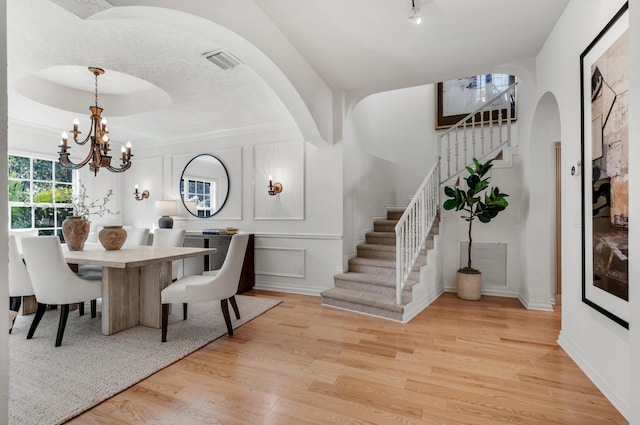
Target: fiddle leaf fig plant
point(478, 201)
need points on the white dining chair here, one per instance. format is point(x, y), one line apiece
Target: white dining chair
point(54, 282)
point(170, 238)
point(19, 281)
point(136, 236)
point(222, 286)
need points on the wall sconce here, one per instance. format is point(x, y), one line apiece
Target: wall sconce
point(140, 195)
point(274, 188)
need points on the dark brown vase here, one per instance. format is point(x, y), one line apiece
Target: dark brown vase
point(112, 237)
point(75, 229)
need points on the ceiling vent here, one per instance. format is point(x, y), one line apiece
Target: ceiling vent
point(222, 59)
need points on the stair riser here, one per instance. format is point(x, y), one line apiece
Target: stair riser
point(363, 309)
point(394, 215)
point(379, 255)
point(384, 291)
point(384, 227)
point(383, 271)
point(381, 240)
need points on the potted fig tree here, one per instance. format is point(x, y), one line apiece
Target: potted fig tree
point(480, 202)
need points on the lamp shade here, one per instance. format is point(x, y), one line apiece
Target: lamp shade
point(166, 207)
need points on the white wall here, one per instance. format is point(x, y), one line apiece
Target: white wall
point(598, 345)
point(4, 271)
point(398, 126)
point(298, 252)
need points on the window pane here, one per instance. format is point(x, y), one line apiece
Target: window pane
point(42, 192)
point(192, 186)
point(62, 214)
point(200, 187)
point(19, 167)
point(42, 169)
point(64, 193)
point(46, 232)
point(21, 217)
point(43, 217)
point(19, 191)
point(63, 174)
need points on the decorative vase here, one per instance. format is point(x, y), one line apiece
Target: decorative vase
point(469, 285)
point(112, 237)
point(75, 230)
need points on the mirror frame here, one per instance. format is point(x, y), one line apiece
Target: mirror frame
point(224, 201)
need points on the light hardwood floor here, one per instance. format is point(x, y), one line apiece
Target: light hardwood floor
point(459, 362)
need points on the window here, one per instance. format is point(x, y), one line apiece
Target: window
point(202, 192)
point(40, 194)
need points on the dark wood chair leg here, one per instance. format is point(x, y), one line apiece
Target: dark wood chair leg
point(15, 303)
point(94, 308)
point(81, 308)
point(165, 321)
point(64, 314)
point(234, 304)
point(227, 319)
point(36, 319)
point(184, 311)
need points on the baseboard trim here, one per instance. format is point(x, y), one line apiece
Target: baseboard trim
point(544, 305)
point(291, 289)
point(592, 373)
point(415, 308)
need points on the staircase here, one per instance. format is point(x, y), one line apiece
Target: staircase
point(395, 274)
point(369, 285)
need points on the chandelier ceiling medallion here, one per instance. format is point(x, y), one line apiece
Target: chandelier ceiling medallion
point(98, 156)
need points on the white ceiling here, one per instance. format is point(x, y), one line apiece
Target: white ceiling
point(359, 46)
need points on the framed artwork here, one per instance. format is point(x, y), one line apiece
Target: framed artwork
point(604, 95)
point(455, 99)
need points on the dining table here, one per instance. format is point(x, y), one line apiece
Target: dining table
point(132, 280)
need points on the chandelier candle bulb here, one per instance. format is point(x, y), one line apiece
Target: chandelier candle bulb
point(76, 123)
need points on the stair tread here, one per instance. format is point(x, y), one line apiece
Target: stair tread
point(363, 298)
point(382, 234)
point(377, 247)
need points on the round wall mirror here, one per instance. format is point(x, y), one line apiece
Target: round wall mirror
point(204, 185)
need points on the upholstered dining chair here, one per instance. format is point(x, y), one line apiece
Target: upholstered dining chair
point(54, 282)
point(170, 238)
point(222, 286)
point(19, 281)
point(136, 236)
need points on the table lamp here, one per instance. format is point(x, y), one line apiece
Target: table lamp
point(165, 209)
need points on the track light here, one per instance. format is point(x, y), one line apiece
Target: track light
point(414, 18)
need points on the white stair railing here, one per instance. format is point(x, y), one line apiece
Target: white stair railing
point(414, 226)
point(477, 135)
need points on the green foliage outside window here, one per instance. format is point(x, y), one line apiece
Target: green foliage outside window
point(40, 194)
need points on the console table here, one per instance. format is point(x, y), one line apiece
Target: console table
point(214, 261)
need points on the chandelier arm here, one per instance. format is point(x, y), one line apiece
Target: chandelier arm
point(67, 163)
point(123, 167)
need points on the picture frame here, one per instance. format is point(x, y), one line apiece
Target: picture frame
point(455, 99)
point(604, 102)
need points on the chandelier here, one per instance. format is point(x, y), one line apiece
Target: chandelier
point(98, 156)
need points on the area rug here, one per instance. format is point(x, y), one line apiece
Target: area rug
point(50, 385)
